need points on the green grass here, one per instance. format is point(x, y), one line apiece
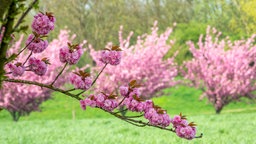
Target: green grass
point(62, 121)
point(236, 128)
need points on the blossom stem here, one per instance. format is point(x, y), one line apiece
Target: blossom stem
point(27, 58)
point(59, 73)
point(94, 79)
point(99, 74)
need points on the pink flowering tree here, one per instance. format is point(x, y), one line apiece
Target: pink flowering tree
point(35, 63)
point(21, 99)
point(225, 70)
point(142, 61)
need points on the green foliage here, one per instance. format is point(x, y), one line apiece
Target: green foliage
point(182, 33)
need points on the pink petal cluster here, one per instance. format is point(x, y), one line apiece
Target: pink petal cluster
point(142, 61)
point(111, 56)
point(186, 132)
point(101, 100)
point(154, 114)
point(155, 117)
point(224, 69)
point(130, 102)
point(43, 23)
point(39, 67)
point(182, 128)
point(37, 45)
point(16, 70)
point(80, 82)
point(70, 56)
point(124, 90)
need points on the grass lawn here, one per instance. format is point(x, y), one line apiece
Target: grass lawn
point(62, 121)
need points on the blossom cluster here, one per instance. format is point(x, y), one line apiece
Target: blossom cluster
point(43, 23)
point(81, 80)
point(70, 54)
point(16, 69)
point(102, 100)
point(183, 129)
point(111, 56)
point(155, 114)
point(38, 66)
point(37, 45)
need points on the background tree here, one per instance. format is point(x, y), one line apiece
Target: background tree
point(143, 61)
point(225, 70)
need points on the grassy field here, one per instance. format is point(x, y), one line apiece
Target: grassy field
point(62, 121)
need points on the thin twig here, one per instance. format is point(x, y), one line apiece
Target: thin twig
point(70, 90)
point(24, 14)
point(138, 125)
point(121, 102)
point(23, 49)
point(43, 85)
point(28, 58)
point(135, 116)
point(94, 79)
point(99, 74)
point(120, 111)
point(59, 73)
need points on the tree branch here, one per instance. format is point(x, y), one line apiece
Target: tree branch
point(130, 120)
point(42, 85)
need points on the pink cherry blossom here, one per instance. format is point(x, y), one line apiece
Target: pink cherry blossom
point(43, 23)
point(16, 69)
point(39, 67)
point(70, 55)
point(37, 45)
point(80, 82)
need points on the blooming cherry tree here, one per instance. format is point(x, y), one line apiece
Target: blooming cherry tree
point(225, 70)
point(142, 61)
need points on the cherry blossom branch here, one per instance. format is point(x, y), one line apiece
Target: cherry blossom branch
point(59, 73)
point(130, 119)
point(43, 85)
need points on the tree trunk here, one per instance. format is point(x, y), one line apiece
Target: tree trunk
point(218, 110)
point(15, 116)
point(7, 36)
